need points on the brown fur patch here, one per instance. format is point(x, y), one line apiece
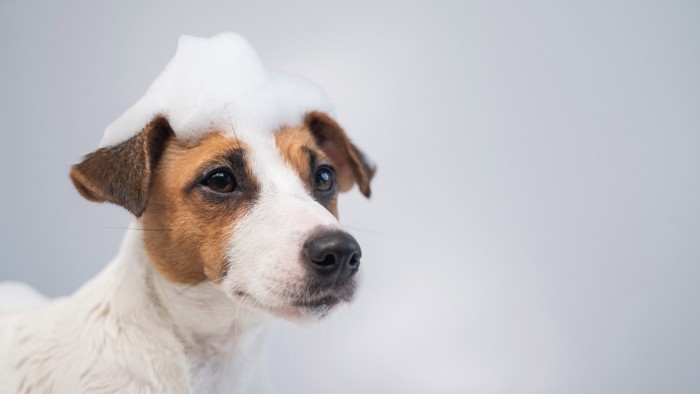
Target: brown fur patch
point(293, 144)
point(121, 173)
point(297, 145)
point(188, 226)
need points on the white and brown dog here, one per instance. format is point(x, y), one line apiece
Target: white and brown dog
point(232, 173)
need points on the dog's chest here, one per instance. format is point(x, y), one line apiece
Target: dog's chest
point(231, 364)
point(214, 375)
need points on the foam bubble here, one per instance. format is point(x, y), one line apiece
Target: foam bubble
point(219, 83)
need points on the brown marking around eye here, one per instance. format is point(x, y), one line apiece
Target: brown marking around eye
point(294, 144)
point(297, 146)
point(188, 228)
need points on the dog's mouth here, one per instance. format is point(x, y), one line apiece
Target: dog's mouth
point(312, 303)
point(323, 302)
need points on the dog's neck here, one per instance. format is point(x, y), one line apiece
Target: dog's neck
point(222, 340)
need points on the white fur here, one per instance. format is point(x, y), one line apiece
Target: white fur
point(131, 330)
point(265, 248)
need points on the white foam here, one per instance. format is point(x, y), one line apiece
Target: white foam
point(219, 83)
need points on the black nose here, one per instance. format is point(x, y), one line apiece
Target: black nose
point(333, 254)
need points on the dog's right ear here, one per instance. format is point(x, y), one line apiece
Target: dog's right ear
point(121, 173)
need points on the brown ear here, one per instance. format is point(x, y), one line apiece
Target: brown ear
point(121, 173)
point(352, 166)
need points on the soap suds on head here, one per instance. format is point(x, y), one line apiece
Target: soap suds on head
point(220, 84)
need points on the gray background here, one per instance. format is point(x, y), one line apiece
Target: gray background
point(535, 221)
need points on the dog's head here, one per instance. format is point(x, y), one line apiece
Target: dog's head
point(255, 215)
point(234, 172)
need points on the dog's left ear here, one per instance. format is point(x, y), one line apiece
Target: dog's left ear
point(121, 173)
point(351, 165)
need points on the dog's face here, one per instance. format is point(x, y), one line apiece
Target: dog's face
point(254, 214)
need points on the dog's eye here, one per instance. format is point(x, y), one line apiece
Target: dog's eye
point(220, 181)
point(324, 178)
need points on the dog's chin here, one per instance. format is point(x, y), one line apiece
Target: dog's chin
point(302, 308)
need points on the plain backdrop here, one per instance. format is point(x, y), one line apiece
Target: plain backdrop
point(535, 222)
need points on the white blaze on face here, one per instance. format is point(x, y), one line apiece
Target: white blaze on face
point(266, 246)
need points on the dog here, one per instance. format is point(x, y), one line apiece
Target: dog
point(232, 175)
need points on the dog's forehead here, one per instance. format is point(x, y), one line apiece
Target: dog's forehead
point(272, 165)
point(220, 83)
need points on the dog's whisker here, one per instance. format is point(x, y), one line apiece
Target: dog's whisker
point(250, 312)
point(140, 229)
point(376, 293)
point(238, 309)
point(378, 268)
point(181, 292)
point(230, 122)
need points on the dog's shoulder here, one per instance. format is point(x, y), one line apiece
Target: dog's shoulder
point(84, 344)
point(18, 297)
